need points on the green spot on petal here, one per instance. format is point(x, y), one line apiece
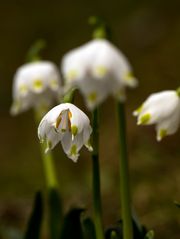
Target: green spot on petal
point(88, 145)
point(145, 119)
point(101, 71)
point(63, 130)
point(139, 110)
point(162, 133)
point(72, 74)
point(54, 84)
point(74, 130)
point(73, 150)
point(38, 84)
point(129, 76)
point(23, 88)
point(92, 97)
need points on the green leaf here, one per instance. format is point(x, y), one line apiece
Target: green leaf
point(34, 51)
point(149, 235)
point(88, 229)
point(35, 220)
point(55, 213)
point(72, 225)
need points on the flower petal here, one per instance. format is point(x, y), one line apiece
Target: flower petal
point(159, 106)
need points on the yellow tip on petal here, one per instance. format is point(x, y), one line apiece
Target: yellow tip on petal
point(73, 153)
point(74, 130)
point(37, 84)
point(23, 89)
point(138, 110)
point(73, 150)
point(15, 108)
point(49, 146)
point(53, 84)
point(144, 119)
point(89, 146)
point(130, 79)
point(72, 74)
point(161, 134)
point(92, 97)
point(101, 71)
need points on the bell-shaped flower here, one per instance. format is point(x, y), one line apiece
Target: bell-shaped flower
point(98, 69)
point(35, 84)
point(68, 124)
point(162, 109)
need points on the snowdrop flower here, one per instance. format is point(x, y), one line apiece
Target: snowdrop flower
point(162, 109)
point(35, 84)
point(98, 69)
point(68, 124)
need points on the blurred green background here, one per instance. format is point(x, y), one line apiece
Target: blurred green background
point(148, 32)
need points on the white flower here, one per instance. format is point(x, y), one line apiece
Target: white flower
point(98, 69)
point(68, 124)
point(162, 109)
point(35, 84)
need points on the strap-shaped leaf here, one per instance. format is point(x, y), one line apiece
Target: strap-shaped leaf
point(55, 213)
point(35, 220)
point(88, 229)
point(72, 225)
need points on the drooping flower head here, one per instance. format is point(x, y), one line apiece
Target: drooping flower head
point(162, 109)
point(68, 124)
point(35, 84)
point(98, 69)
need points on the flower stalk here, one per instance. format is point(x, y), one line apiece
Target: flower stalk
point(47, 160)
point(96, 176)
point(124, 175)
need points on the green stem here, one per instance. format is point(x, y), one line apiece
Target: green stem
point(47, 159)
point(124, 176)
point(96, 177)
point(49, 169)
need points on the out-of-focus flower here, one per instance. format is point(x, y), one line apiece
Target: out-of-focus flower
point(68, 124)
point(98, 69)
point(35, 84)
point(162, 109)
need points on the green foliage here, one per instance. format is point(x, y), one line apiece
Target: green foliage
point(35, 220)
point(88, 229)
point(55, 213)
point(72, 225)
point(34, 51)
point(115, 232)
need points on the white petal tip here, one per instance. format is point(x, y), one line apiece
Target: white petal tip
point(90, 149)
point(13, 111)
point(135, 113)
point(47, 150)
point(74, 158)
point(139, 123)
point(158, 138)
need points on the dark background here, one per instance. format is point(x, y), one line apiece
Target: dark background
point(148, 32)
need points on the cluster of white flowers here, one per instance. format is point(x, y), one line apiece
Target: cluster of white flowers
point(98, 69)
point(35, 84)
